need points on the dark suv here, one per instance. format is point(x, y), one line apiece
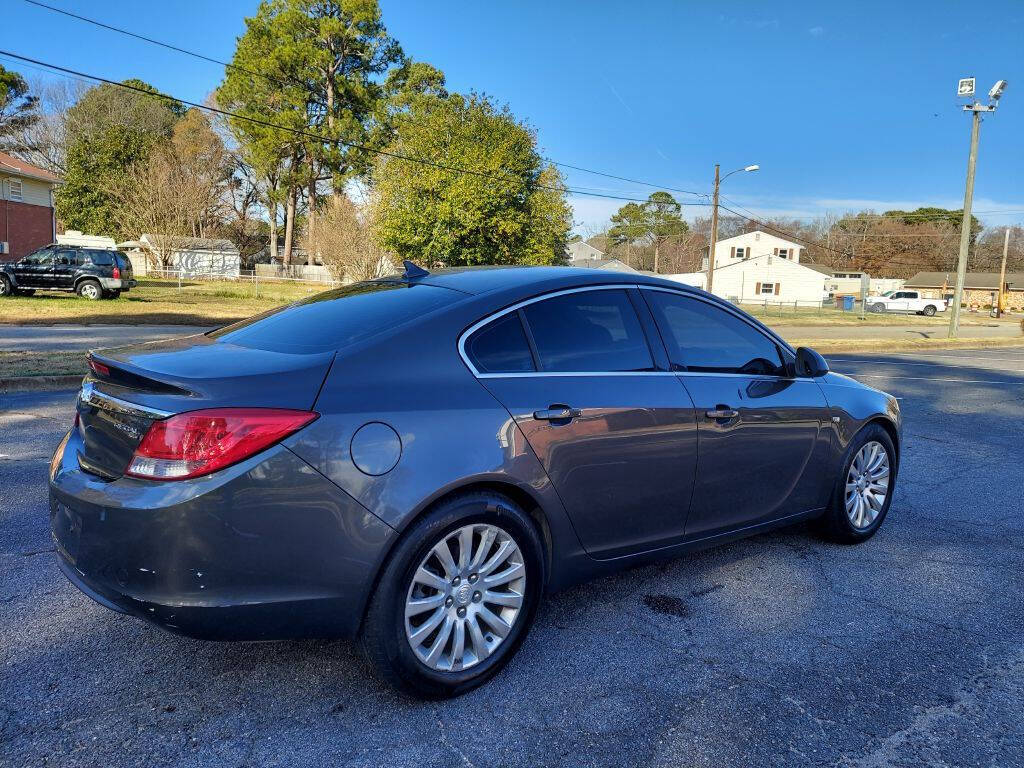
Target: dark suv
point(92, 273)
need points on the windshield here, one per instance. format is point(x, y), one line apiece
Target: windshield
point(336, 318)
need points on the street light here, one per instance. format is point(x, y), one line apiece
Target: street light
point(966, 89)
point(714, 218)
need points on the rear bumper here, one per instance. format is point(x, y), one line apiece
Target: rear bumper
point(117, 284)
point(267, 549)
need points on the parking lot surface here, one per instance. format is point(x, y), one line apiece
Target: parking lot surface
point(777, 650)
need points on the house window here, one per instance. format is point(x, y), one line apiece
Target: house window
point(784, 253)
point(741, 253)
point(15, 190)
point(768, 288)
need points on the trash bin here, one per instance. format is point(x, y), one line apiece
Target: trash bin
point(847, 303)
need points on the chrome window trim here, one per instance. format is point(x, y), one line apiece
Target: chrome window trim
point(613, 286)
point(92, 396)
point(533, 300)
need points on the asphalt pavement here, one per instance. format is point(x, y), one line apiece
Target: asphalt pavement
point(778, 650)
point(47, 337)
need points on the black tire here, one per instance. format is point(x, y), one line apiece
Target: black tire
point(835, 524)
point(928, 311)
point(6, 289)
point(877, 307)
point(89, 289)
point(383, 636)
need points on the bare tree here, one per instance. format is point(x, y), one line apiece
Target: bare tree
point(44, 142)
point(150, 202)
point(345, 244)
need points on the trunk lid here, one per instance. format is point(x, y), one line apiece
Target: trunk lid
point(130, 387)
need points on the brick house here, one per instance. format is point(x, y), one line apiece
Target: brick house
point(27, 218)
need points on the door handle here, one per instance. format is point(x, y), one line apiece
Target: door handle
point(557, 413)
point(722, 413)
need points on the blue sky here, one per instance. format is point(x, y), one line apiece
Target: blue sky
point(844, 106)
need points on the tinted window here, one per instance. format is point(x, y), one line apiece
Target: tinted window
point(101, 258)
point(334, 319)
point(500, 347)
point(588, 331)
point(702, 337)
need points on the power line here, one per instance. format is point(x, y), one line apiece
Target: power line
point(308, 134)
point(154, 41)
point(229, 65)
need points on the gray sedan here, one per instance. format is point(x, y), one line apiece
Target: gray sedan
point(416, 460)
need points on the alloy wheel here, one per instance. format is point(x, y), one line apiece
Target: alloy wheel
point(867, 485)
point(465, 597)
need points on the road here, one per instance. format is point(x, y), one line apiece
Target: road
point(46, 337)
point(35, 337)
point(778, 650)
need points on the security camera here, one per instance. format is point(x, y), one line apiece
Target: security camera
point(997, 90)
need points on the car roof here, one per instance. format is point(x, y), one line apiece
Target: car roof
point(529, 280)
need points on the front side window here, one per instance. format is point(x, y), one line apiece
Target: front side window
point(704, 338)
point(41, 258)
point(500, 347)
point(588, 331)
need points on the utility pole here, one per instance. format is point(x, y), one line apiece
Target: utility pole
point(1002, 273)
point(965, 88)
point(714, 233)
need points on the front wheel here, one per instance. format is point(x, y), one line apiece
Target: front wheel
point(877, 308)
point(456, 597)
point(864, 489)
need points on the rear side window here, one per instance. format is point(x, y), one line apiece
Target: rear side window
point(588, 331)
point(701, 337)
point(101, 258)
point(336, 318)
point(500, 347)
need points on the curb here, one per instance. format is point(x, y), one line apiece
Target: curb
point(38, 383)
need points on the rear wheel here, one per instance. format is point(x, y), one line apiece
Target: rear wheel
point(928, 311)
point(456, 597)
point(5, 286)
point(863, 491)
point(89, 289)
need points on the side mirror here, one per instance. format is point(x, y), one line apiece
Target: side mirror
point(810, 363)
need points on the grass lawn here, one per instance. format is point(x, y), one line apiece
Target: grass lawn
point(62, 362)
point(156, 302)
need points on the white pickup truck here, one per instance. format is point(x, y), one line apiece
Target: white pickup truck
point(905, 301)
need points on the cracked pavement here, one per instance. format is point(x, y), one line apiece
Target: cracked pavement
point(776, 650)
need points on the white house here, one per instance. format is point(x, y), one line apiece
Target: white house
point(193, 256)
point(578, 250)
point(769, 278)
point(750, 245)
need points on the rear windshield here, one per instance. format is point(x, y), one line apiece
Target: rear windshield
point(337, 318)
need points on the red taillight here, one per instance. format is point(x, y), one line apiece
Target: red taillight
point(99, 368)
point(199, 442)
point(117, 273)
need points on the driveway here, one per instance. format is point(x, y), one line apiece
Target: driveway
point(780, 650)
